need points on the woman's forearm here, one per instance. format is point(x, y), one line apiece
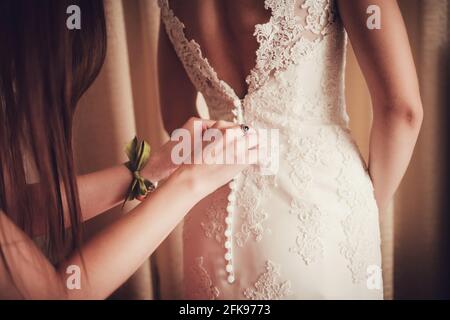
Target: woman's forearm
point(113, 255)
point(102, 190)
point(394, 134)
point(109, 258)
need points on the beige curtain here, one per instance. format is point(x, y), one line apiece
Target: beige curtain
point(124, 101)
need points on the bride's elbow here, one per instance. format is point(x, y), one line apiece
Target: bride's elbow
point(405, 112)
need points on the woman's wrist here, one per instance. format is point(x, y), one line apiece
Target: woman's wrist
point(192, 186)
point(152, 171)
point(158, 168)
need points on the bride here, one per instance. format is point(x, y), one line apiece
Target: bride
point(310, 231)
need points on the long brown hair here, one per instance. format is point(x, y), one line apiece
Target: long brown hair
point(44, 70)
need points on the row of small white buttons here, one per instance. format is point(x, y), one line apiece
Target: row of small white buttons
point(237, 112)
point(228, 232)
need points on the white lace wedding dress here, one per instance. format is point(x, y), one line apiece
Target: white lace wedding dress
point(311, 231)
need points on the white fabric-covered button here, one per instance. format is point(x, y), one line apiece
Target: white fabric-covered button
point(230, 208)
point(232, 197)
point(237, 103)
point(228, 231)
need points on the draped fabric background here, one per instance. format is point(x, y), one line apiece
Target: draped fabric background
point(124, 101)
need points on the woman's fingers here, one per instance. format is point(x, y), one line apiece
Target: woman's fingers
point(224, 142)
point(207, 124)
point(239, 147)
point(221, 124)
point(204, 124)
point(252, 157)
point(227, 150)
point(248, 138)
point(252, 138)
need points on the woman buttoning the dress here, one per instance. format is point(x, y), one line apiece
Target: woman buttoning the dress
point(44, 70)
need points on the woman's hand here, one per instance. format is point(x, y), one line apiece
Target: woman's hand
point(160, 164)
point(207, 177)
point(222, 159)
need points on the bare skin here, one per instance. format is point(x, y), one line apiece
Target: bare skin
point(224, 30)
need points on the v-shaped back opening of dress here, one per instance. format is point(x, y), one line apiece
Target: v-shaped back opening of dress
point(286, 22)
point(224, 55)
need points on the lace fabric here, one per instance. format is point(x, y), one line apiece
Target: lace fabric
point(268, 286)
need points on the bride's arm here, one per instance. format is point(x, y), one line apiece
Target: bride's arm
point(177, 94)
point(386, 60)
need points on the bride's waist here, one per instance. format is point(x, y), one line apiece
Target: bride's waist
point(285, 116)
point(292, 123)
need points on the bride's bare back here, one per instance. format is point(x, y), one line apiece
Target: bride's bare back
point(224, 30)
